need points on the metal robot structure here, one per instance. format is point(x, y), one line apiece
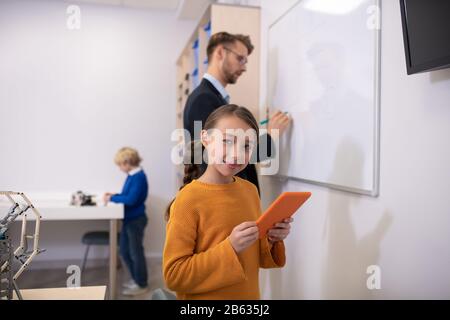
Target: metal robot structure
point(21, 254)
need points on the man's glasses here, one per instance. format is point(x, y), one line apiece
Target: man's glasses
point(241, 59)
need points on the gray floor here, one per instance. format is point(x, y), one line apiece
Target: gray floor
point(94, 276)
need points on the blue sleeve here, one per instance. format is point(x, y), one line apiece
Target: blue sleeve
point(132, 197)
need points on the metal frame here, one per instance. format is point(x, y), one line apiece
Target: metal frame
point(374, 192)
point(21, 253)
point(6, 287)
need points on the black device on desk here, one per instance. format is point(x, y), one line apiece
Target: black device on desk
point(79, 198)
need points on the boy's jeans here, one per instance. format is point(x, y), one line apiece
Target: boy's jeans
point(132, 249)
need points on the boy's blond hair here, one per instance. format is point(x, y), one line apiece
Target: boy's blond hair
point(127, 155)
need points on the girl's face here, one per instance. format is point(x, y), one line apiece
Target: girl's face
point(229, 145)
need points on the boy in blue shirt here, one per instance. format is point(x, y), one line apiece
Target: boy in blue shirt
point(133, 196)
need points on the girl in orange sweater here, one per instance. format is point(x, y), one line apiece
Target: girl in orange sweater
point(212, 248)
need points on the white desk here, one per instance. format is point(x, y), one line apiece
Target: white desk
point(58, 209)
point(82, 293)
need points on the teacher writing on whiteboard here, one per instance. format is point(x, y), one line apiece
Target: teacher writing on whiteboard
point(227, 56)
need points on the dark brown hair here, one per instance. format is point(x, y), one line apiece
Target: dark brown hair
point(191, 169)
point(221, 38)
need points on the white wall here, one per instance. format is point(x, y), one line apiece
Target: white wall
point(69, 99)
point(406, 230)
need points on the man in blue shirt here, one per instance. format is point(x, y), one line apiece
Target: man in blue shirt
point(133, 196)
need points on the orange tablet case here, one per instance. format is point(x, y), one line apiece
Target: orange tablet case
point(282, 208)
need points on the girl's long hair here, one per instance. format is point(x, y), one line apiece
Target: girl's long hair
point(191, 169)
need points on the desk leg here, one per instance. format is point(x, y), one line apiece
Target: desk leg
point(112, 259)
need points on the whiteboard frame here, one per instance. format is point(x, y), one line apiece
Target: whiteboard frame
point(375, 191)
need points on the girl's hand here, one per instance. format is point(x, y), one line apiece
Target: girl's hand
point(280, 231)
point(244, 235)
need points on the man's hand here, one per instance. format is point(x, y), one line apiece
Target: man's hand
point(278, 121)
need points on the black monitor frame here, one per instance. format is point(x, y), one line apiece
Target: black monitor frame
point(436, 64)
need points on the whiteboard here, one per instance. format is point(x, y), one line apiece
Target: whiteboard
point(323, 68)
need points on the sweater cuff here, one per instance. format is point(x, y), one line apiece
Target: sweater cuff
point(275, 252)
point(278, 253)
point(235, 266)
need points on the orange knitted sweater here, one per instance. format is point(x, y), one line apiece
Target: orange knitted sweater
point(198, 260)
